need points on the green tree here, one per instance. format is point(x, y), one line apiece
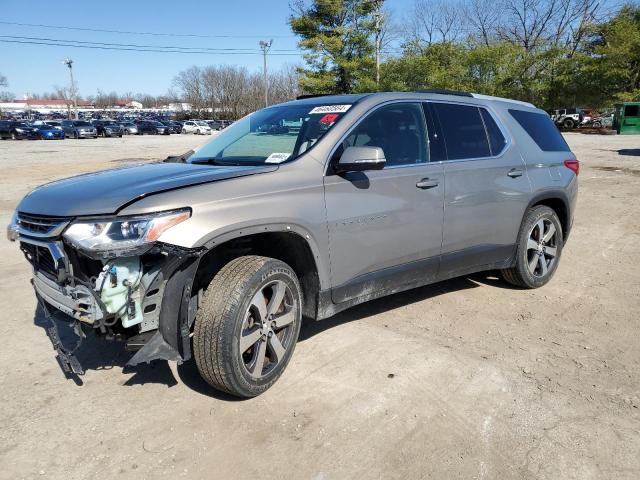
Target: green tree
point(337, 36)
point(614, 64)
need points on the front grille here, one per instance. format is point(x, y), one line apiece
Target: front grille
point(40, 258)
point(41, 226)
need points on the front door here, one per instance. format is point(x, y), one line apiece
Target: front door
point(385, 226)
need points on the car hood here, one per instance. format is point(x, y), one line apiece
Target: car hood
point(106, 192)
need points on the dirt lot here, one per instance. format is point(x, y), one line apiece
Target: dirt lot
point(465, 379)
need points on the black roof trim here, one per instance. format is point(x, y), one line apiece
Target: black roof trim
point(313, 95)
point(444, 91)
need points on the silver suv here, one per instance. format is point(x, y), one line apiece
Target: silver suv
point(302, 209)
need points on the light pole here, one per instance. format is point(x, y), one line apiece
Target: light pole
point(72, 89)
point(265, 46)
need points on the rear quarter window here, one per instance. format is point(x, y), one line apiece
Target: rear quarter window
point(541, 129)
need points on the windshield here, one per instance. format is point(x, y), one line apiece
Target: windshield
point(44, 126)
point(82, 124)
point(272, 135)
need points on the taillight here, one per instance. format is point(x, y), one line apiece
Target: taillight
point(573, 165)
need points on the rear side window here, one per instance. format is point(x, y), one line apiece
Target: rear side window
point(464, 132)
point(542, 130)
point(496, 138)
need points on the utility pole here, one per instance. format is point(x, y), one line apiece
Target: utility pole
point(72, 89)
point(265, 46)
point(379, 17)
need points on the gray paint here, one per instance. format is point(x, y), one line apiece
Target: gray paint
point(356, 225)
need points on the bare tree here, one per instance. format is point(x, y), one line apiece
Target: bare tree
point(433, 21)
point(533, 24)
point(483, 16)
point(231, 91)
point(3, 81)
point(65, 94)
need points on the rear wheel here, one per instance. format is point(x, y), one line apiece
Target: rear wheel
point(247, 327)
point(540, 243)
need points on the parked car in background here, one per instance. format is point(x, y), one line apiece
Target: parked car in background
point(49, 132)
point(152, 127)
point(567, 117)
point(17, 131)
point(79, 129)
point(197, 127)
point(52, 123)
point(217, 256)
point(108, 128)
point(604, 120)
point(215, 124)
point(129, 128)
point(174, 127)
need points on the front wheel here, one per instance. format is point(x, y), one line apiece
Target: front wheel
point(247, 326)
point(569, 123)
point(540, 243)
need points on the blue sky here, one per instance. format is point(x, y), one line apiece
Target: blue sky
point(37, 68)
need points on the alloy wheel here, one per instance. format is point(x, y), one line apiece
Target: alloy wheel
point(267, 332)
point(542, 248)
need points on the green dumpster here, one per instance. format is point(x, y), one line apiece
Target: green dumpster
point(627, 118)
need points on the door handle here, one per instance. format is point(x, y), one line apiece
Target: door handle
point(427, 183)
point(515, 173)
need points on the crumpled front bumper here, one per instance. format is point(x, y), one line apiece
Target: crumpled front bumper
point(168, 301)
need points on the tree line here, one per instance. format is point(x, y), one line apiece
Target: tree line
point(554, 53)
point(233, 91)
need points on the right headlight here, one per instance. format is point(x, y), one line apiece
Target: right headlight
point(122, 236)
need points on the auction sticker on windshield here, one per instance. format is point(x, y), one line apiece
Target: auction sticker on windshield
point(277, 157)
point(331, 109)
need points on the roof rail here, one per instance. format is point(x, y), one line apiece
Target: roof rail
point(444, 91)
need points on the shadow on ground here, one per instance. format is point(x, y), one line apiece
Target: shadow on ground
point(96, 353)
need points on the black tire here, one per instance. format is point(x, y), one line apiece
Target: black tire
point(569, 123)
point(521, 274)
point(227, 306)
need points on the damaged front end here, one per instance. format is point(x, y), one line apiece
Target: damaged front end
point(115, 278)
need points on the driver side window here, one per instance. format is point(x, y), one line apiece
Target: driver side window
point(398, 129)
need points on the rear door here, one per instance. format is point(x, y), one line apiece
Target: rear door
point(486, 188)
point(385, 226)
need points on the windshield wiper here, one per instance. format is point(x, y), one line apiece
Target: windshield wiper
point(217, 161)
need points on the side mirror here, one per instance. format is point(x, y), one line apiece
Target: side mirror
point(360, 159)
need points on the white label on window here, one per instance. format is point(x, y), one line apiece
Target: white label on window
point(277, 157)
point(331, 109)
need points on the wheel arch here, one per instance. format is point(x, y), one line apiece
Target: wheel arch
point(293, 247)
point(559, 203)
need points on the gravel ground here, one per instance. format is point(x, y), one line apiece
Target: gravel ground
point(464, 379)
